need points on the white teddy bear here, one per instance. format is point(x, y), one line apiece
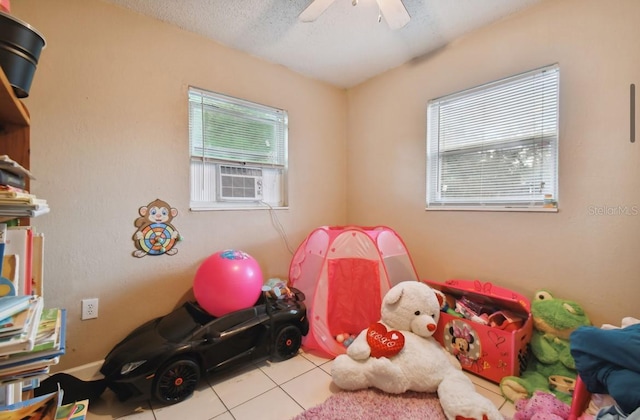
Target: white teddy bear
point(399, 354)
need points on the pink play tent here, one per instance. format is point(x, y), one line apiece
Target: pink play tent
point(344, 273)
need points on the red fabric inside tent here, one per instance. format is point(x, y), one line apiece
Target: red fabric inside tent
point(354, 299)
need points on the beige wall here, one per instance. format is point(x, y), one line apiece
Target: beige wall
point(109, 118)
point(110, 134)
point(575, 254)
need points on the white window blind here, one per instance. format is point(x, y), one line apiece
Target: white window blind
point(237, 148)
point(495, 146)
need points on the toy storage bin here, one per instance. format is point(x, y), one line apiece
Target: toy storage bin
point(580, 400)
point(486, 351)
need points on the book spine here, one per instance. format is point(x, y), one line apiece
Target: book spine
point(3, 236)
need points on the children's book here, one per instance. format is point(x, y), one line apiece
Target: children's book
point(37, 265)
point(43, 407)
point(74, 411)
point(8, 164)
point(10, 277)
point(11, 305)
point(30, 200)
point(7, 286)
point(33, 204)
point(47, 349)
point(24, 211)
point(10, 372)
point(39, 374)
point(14, 193)
point(49, 328)
point(26, 340)
point(11, 179)
point(19, 241)
point(10, 188)
point(14, 324)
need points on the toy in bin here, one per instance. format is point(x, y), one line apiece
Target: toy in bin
point(486, 327)
point(551, 367)
point(277, 289)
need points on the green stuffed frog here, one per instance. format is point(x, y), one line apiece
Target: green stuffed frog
point(552, 368)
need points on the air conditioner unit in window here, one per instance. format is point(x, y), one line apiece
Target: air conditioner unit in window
point(239, 183)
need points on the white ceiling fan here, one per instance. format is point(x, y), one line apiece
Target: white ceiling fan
point(393, 11)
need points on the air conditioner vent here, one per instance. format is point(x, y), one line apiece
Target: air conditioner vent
point(239, 183)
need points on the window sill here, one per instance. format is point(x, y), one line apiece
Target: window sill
point(236, 207)
point(490, 208)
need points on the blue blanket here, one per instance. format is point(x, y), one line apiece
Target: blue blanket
point(608, 362)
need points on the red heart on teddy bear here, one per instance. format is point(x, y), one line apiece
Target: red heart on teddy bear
point(384, 343)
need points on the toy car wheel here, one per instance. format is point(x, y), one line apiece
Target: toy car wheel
point(176, 381)
point(287, 343)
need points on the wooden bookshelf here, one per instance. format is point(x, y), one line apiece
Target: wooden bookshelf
point(15, 138)
point(12, 110)
point(15, 128)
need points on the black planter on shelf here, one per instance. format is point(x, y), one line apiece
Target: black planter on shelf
point(20, 47)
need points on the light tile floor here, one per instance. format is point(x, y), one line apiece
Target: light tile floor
point(265, 391)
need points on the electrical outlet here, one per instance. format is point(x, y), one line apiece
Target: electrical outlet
point(89, 308)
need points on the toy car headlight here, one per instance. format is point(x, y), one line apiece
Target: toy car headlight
point(129, 367)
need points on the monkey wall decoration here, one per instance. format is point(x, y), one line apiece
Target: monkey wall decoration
point(155, 235)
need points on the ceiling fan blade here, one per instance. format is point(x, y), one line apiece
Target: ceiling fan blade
point(394, 12)
point(314, 10)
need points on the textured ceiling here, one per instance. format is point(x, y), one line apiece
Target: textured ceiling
point(345, 46)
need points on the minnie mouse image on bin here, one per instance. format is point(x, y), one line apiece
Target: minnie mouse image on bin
point(462, 341)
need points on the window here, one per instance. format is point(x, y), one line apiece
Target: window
point(495, 147)
point(238, 153)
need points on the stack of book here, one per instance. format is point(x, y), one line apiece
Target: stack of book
point(21, 262)
point(32, 339)
point(48, 406)
point(15, 200)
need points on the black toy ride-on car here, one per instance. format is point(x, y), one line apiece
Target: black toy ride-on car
point(165, 357)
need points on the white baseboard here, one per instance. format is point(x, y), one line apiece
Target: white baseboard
point(87, 372)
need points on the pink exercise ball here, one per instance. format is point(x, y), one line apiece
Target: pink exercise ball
point(227, 281)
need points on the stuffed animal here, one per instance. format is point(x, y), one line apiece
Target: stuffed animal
point(552, 368)
point(542, 406)
point(399, 354)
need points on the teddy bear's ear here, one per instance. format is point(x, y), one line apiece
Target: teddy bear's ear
point(393, 295)
point(440, 297)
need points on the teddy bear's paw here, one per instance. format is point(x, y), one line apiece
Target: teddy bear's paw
point(359, 349)
point(348, 374)
point(469, 405)
point(385, 369)
point(481, 410)
point(358, 353)
point(350, 381)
